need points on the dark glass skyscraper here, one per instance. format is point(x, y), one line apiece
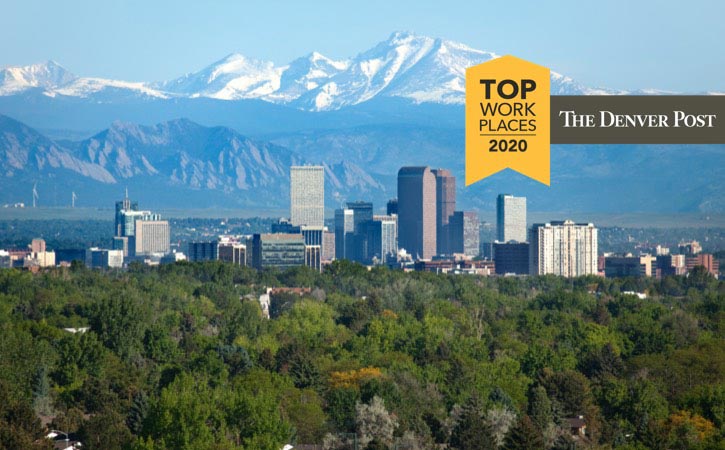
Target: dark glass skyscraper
point(124, 205)
point(393, 206)
point(362, 213)
point(417, 211)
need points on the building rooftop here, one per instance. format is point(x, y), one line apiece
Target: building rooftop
point(281, 237)
point(411, 170)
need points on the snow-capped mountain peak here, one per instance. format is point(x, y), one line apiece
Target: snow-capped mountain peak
point(305, 74)
point(45, 75)
point(405, 65)
point(231, 78)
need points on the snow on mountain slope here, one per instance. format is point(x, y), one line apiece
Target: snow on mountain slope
point(415, 67)
point(419, 68)
point(54, 79)
point(232, 78)
point(304, 74)
point(45, 75)
point(86, 87)
point(369, 73)
point(440, 75)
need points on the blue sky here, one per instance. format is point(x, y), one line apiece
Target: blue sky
point(622, 44)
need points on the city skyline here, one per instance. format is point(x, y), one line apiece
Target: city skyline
point(562, 248)
point(559, 247)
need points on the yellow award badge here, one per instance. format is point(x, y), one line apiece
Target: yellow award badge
point(507, 119)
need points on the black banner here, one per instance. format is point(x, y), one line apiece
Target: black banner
point(631, 119)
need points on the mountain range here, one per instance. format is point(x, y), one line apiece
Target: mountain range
point(226, 135)
point(417, 68)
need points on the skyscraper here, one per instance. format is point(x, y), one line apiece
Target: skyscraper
point(128, 217)
point(382, 239)
point(362, 213)
point(563, 248)
point(464, 233)
point(124, 205)
point(307, 195)
point(445, 206)
point(344, 229)
point(510, 218)
point(417, 211)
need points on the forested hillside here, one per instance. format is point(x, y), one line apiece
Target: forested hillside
point(181, 357)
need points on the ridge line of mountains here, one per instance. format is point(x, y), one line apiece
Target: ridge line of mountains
point(418, 68)
point(182, 164)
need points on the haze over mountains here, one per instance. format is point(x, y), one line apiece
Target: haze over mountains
point(225, 136)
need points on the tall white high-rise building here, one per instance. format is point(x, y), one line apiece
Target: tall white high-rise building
point(307, 195)
point(563, 248)
point(510, 218)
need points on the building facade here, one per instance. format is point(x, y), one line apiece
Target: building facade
point(232, 252)
point(152, 236)
point(280, 250)
point(328, 246)
point(124, 205)
point(563, 248)
point(445, 207)
point(707, 260)
point(629, 266)
point(511, 258)
point(510, 218)
point(392, 206)
point(313, 257)
point(99, 258)
point(356, 247)
point(669, 265)
point(464, 235)
point(202, 251)
point(382, 239)
point(417, 212)
point(307, 195)
point(344, 230)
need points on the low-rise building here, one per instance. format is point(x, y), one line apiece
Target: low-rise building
point(630, 266)
point(99, 258)
point(277, 250)
point(707, 260)
point(511, 257)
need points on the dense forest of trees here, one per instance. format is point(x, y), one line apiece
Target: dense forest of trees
point(181, 357)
